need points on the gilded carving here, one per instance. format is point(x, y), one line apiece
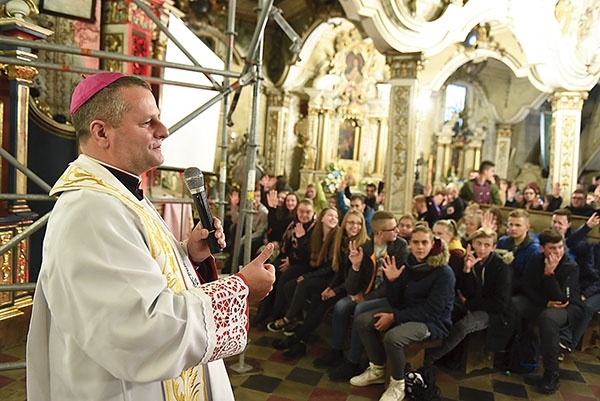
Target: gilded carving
point(405, 66)
point(580, 22)
point(113, 42)
point(6, 268)
point(568, 100)
point(19, 72)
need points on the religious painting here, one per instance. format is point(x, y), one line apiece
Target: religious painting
point(348, 140)
point(354, 66)
point(80, 9)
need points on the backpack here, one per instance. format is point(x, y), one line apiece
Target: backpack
point(420, 385)
point(524, 353)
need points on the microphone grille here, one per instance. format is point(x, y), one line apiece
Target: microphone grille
point(193, 178)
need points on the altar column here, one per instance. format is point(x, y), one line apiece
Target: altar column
point(564, 140)
point(277, 126)
point(401, 151)
point(503, 139)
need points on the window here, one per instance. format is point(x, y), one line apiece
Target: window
point(456, 96)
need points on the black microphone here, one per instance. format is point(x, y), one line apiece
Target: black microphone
point(194, 180)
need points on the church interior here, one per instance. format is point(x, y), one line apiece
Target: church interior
point(412, 93)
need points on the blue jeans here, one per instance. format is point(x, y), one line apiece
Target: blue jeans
point(356, 346)
point(572, 335)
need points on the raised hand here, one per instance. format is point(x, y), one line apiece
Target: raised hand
point(470, 260)
point(259, 277)
point(389, 268)
point(272, 199)
point(355, 255)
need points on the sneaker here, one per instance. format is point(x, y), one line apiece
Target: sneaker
point(277, 325)
point(284, 343)
point(296, 351)
point(565, 347)
point(374, 374)
point(549, 382)
point(333, 357)
point(291, 328)
point(394, 392)
point(344, 372)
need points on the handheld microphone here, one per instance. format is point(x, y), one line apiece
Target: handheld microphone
point(194, 180)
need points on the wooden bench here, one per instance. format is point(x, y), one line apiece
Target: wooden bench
point(475, 357)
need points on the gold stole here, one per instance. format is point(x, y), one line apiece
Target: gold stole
point(190, 385)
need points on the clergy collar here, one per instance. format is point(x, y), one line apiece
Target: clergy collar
point(130, 181)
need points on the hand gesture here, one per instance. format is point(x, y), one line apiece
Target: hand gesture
point(272, 199)
point(259, 276)
point(383, 321)
point(427, 189)
point(197, 246)
point(355, 255)
point(470, 260)
point(594, 220)
point(488, 220)
point(556, 190)
point(389, 268)
point(511, 192)
point(285, 263)
point(299, 230)
point(550, 264)
point(234, 198)
point(327, 293)
point(557, 304)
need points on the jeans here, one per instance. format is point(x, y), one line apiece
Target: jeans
point(549, 321)
point(472, 322)
point(572, 335)
point(356, 346)
point(394, 341)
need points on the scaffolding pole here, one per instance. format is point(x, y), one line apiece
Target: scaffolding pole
point(246, 209)
point(221, 202)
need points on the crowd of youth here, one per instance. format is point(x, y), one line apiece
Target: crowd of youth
point(441, 272)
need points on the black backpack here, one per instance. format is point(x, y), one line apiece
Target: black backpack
point(524, 353)
point(420, 385)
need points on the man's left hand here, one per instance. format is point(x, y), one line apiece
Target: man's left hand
point(198, 246)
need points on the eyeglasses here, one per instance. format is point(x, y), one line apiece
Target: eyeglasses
point(528, 193)
point(391, 229)
point(354, 223)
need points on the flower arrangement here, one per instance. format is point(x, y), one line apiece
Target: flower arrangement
point(333, 179)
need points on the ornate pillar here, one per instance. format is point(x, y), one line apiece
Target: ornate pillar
point(327, 127)
point(127, 29)
point(15, 216)
point(472, 155)
point(443, 157)
point(503, 138)
point(277, 125)
point(564, 140)
point(401, 150)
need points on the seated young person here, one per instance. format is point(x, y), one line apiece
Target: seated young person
point(352, 231)
point(552, 299)
point(484, 288)
point(296, 292)
point(420, 294)
point(293, 261)
point(521, 243)
point(363, 286)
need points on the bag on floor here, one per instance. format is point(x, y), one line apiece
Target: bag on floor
point(524, 353)
point(420, 385)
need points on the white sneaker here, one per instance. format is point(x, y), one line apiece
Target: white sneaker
point(394, 392)
point(374, 374)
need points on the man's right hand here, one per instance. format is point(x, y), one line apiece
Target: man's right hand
point(259, 276)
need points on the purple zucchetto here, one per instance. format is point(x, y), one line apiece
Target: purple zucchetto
point(90, 86)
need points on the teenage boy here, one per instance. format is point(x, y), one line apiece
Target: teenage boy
point(485, 290)
point(551, 299)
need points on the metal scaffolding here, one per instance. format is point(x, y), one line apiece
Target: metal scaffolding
point(251, 74)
